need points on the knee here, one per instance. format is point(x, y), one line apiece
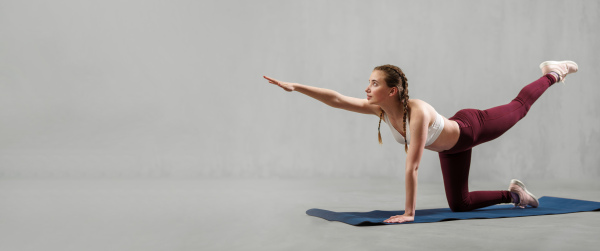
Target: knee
point(459, 207)
point(524, 106)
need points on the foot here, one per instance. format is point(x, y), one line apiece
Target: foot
point(562, 68)
point(525, 197)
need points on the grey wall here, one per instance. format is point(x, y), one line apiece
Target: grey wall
point(155, 89)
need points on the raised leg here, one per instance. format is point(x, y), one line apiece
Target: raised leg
point(496, 121)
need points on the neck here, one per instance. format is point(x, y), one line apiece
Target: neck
point(394, 109)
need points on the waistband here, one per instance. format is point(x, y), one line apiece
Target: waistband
point(465, 139)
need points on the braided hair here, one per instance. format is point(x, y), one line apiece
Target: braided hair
point(394, 77)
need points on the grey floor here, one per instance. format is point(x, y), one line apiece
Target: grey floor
point(243, 214)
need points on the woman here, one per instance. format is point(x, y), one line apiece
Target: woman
point(418, 126)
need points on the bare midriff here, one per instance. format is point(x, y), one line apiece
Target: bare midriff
point(447, 138)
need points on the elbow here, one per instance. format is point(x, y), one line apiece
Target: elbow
point(410, 169)
point(334, 102)
point(411, 175)
point(414, 171)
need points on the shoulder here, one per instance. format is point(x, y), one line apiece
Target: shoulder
point(417, 103)
point(418, 107)
point(420, 111)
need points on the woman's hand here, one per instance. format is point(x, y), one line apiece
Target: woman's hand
point(400, 219)
point(285, 85)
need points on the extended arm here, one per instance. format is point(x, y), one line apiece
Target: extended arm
point(329, 97)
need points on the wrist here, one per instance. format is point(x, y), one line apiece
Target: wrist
point(294, 86)
point(409, 211)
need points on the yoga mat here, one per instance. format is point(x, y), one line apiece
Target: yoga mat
point(548, 205)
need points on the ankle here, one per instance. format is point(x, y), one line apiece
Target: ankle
point(515, 198)
point(556, 76)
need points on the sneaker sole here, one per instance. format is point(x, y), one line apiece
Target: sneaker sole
point(557, 62)
point(519, 183)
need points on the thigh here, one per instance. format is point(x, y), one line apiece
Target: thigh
point(455, 170)
point(498, 120)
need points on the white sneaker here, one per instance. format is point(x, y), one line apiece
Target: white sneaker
point(525, 197)
point(563, 68)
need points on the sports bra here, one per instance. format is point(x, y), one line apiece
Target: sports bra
point(433, 132)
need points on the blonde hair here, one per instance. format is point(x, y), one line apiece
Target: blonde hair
point(394, 77)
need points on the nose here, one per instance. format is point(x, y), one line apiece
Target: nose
point(368, 90)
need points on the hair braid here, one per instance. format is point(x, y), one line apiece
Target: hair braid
point(396, 78)
point(404, 99)
point(379, 128)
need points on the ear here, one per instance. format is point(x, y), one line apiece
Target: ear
point(394, 91)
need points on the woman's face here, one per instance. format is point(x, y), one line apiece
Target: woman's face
point(377, 90)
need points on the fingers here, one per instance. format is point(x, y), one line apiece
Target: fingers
point(286, 86)
point(392, 219)
point(272, 80)
point(397, 219)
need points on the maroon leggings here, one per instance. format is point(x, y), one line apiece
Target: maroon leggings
point(476, 127)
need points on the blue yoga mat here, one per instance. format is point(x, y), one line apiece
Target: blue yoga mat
point(548, 205)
